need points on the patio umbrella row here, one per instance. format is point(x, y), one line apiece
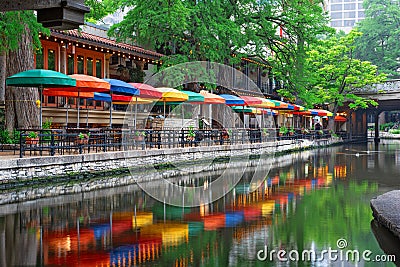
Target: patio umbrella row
point(85, 86)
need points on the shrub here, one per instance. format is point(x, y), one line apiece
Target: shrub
point(394, 131)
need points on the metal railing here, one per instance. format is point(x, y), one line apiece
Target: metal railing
point(78, 141)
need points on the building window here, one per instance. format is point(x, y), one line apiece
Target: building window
point(360, 6)
point(337, 23)
point(349, 6)
point(348, 23)
point(98, 68)
point(51, 59)
point(89, 66)
point(336, 1)
point(51, 99)
point(336, 15)
point(336, 7)
point(40, 59)
point(349, 15)
point(80, 65)
point(361, 14)
point(71, 64)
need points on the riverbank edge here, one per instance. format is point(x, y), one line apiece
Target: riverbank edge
point(386, 210)
point(21, 170)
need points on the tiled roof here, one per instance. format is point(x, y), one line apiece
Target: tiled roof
point(79, 36)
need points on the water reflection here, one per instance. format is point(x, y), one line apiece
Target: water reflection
point(308, 201)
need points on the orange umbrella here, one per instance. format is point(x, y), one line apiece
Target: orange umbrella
point(210, 98)
point(86, 83)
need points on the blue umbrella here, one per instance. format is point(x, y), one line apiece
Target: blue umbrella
point(120, 87)
point(102, 97)
point(232, 100)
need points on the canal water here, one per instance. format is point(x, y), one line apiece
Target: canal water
point(313, 207)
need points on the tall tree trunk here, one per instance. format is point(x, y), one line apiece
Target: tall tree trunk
point(2, 76)
point(21, 109)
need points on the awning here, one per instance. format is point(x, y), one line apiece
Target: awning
point(232, 100)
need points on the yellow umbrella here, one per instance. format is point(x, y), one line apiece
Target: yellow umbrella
point(171, 95)
point(266, 103)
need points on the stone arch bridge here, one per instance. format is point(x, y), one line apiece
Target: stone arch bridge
point(387, 95)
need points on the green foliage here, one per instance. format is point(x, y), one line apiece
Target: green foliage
point(333, 73)
point(283, 130)
point(140, 133)
point(100, 9)
point(191, 132)
point(338, 211)
point(83, 136)
point(379, 42)
point(5, 137)
point(47, 123)
point(223, 31)
point(33, 135)
point(385, 126)
point(394, 131)
point(12, 25)
point(136, 75)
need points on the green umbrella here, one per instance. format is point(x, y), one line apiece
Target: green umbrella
point(40, 78)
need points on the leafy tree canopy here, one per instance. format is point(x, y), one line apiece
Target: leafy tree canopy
point(333, 73)
point(101, 8)
point(12, 25)
point(222, 31)
point(381, 32)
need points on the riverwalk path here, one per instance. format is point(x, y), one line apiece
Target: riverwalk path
point(386, 210)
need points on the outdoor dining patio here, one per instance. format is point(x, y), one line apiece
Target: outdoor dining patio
point(172, 118)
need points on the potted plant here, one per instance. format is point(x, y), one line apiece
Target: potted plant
point(83, 138)
point(283, 130)
point(265, 132)
point(291, 131)
point(32, 138)
point(140, 135)
point(191, 134)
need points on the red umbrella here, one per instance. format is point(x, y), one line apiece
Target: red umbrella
point(340, 118)
point(147, 91)
point(251, 100)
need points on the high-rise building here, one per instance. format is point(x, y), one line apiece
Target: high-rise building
point(345, 14)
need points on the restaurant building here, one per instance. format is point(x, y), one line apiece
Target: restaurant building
point(90, 51)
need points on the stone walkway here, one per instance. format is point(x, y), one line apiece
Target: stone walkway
point(386, 210)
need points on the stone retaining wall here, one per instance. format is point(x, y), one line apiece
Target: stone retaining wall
point(25, 169)
point(50, 190)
